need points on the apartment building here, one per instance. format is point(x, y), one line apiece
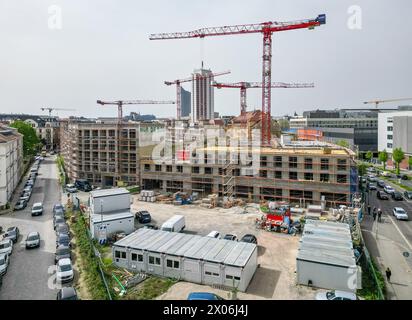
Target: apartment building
point(11, 162)
point(299, 172)
point(97, 151)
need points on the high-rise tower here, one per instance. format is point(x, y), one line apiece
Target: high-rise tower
point(202, 95)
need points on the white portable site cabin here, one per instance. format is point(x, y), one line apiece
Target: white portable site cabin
point(326, 257)
point(192, 258)
point(110, 212)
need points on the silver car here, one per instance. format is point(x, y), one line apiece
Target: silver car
point(4, 263)
point(6, 247)
point(33, 240)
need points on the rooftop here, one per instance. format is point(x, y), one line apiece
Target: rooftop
point(189, 246)
point(108, 192)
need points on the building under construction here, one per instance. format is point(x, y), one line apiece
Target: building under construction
point(298, 172)
point(98, 151)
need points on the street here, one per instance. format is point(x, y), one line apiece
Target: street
point(390, 243)
point(27, 276)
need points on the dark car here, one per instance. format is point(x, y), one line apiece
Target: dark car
point(58, 219)
point(151, 226)
point(402, 176)
point(83, 185)
point(397, 196)
point(58, 208)
point(62, 228)
point(249, 238)
point(143, 217)
point(408, 195)
point(20, 205)
point(62, 252)
point(371, 186)
point(67, 293)
point(230, 237)
point(63, 239)
point(12, 233)
point(381, 183)
point(382, 195)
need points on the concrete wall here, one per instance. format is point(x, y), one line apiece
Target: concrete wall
point(402, 133)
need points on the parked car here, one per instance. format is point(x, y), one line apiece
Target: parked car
point(58, 207)
point(382, 195)
point(29, 183)
point(6, 247)
point(20, 205)
point(175, 224)
point(25, 196)
point(63, 239)
point(214, 234)
point(33, 240)
point(151, 226)
point(381, 183)
point(64, 271)
point(62, 252)
point(400, 213)
point(397, 196)
point(83, 184)
point(250, 238)
point(371, 186)
point(389, 189)
point(143, 216)
point(372, 178)
point(70, 188)
point(62, 228)
point(37, 209)
point(203, 296)
point(386, 174)
point(408, 195)
point(12, 234)
point(67, 293)
point(58, 219)
point(4, 263)
point(336, 295)
point(402, 176)
point(231, 237)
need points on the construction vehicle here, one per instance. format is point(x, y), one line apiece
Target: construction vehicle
point(267, 29)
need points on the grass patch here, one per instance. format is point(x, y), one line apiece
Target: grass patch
point(369, 289)
point(150, 289)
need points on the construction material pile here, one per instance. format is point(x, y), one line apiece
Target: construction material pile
point(210, 202)
point(147, 196)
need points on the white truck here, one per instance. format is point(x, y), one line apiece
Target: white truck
point(174, 224)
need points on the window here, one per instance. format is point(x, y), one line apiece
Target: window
point(120, 254)
point(229, 277)
point(158, 167)
point(293, 175)
point(137, 257)
point(147, 167)
point(293, 162)
point(390, 129)
point(209, 273)
point(179, 168)
point(208, 170)
point(278, 174)
point(308, 163)
point(263, 174)
point(168, 168)
point(308, 176)
point(341, 164)
point(195, 170)
point(154, 260)
point(390, 137)
point(172, 264)
point(390, 145)
point(278, 161)
point(324, 164)
point(324, 177)
point(341, 178)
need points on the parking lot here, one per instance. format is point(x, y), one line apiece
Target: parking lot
point(274, 279)
point(28, 274)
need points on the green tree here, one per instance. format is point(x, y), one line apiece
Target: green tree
point(383, 156)
point(410, 163)
point(361, 169)
point(398, 155)
point(30, 139)
point(343, 143)
point(369, 155)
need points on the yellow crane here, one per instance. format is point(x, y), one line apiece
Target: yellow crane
point(377, 102)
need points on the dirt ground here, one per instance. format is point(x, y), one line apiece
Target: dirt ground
point(275, 277)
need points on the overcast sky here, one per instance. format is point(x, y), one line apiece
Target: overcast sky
point(103, 51)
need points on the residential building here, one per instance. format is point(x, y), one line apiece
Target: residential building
point(46, 127)
point(186, 99)
point(202, 95)
point(395, 131)
point(11, 162)
point(299, 172)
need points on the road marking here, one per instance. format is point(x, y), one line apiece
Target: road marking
point(400, 232)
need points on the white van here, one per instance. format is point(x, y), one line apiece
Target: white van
point(174, 224)
point(214, 234)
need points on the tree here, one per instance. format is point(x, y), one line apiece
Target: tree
point(30, 139)
point(343, 143)
point(383, 156)
point(398, 155)
point(410, 163)
point(369, 155)
point(361, 169)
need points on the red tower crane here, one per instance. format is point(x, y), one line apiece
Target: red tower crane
point(266, 28)
point(178, 83)
point(243, 86)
